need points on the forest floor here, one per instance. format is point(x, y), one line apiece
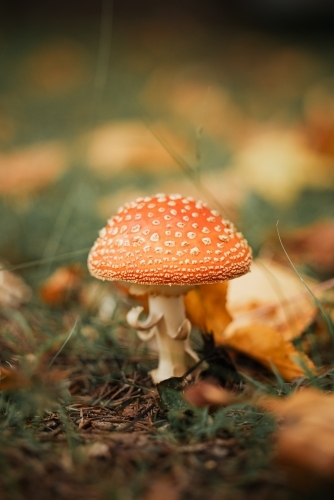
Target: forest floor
point(164, 102)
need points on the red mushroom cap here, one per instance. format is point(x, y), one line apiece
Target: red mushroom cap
point(169, 240)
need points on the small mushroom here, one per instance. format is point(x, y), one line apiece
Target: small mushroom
point(165, 245)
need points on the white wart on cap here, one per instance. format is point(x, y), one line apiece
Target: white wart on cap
point(169, 240)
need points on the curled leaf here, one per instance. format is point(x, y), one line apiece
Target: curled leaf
point(267, 346)
point(273, 295)
point(206, 308)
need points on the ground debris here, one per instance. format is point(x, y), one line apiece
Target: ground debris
point(13, 290)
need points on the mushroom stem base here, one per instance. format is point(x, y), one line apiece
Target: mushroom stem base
point(172, 335)
point(167, 321)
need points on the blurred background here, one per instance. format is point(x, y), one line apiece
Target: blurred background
point(101, 102)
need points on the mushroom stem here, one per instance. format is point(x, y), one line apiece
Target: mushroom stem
point(172, 331)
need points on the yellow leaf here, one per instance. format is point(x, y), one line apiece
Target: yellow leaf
point(275, 162)
point(205, 308)
point(267, 346)
point(272, 294)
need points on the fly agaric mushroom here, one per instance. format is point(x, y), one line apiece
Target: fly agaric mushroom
point(164, 245)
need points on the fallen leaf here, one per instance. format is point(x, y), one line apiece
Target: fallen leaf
point(207, 394)
point(276, 163)
point(32, 168)
point(63, 285)
point(267, 346)
point(206, 308)
point(12, 379)
point(305, 439)
point(118, 146)
point(13, 290)
point(272, 294)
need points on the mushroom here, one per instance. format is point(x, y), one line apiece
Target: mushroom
point(165, 245)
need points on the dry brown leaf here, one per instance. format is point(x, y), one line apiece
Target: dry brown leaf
point(273, 295)
point(208, 394)
point(12, 379)
point(267, 346)
point(62, 286)
point(13, 290)
point(32, 168)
